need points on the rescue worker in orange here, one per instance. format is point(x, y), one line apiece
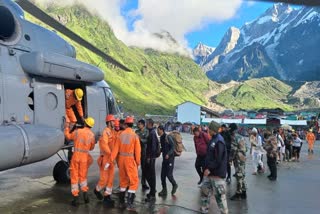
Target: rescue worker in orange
point(73, 98)
point(129, 151)
point(106, 167)
point(84, 141)
point(311, 138)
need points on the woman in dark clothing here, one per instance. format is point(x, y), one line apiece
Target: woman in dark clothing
point(201, 140)
point(167, 149)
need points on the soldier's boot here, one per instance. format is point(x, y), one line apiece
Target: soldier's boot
point(131, 197)
point(86, 198)
point(122, 203)
point(236, 197)
point(309, 150)
point(244, 195)
point(75, 201)
point(107, 200)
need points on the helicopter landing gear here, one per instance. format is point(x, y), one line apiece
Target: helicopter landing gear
point(61, 171)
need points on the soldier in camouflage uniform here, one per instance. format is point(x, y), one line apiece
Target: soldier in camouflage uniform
point(238, 157)
point(271, 147)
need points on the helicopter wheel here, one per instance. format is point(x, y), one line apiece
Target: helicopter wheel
point(61, 172)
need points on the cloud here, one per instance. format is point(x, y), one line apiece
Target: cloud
point(178, 17)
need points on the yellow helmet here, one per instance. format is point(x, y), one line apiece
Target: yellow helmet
point(89, 121)
point(79, 93)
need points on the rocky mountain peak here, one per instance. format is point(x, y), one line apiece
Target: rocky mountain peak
point(282, 43)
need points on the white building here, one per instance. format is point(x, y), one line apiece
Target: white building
point(192, 112)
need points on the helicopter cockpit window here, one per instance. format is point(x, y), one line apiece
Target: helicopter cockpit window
point(111, 103)
point(7, 23)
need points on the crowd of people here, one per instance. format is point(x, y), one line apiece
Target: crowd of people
point(280, 144)
point(218, 148)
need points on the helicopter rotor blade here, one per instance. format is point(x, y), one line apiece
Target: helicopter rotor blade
point(45, 18)
point(296, 2)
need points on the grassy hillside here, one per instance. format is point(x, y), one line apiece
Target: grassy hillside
point(255, 94)
point(159, 81)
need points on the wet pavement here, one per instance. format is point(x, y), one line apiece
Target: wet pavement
point(31, 189)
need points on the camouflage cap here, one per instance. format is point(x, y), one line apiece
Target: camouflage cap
point(214, 126)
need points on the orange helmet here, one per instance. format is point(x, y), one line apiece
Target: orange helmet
point(110, 117)
point(129, 120)
point(117, 123)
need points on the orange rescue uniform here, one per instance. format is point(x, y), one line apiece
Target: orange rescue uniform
point(84, 141)
point(128, 150)
point(71, 101)
point(311, 138)
point(106, 144)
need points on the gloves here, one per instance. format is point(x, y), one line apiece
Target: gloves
point(106, 166)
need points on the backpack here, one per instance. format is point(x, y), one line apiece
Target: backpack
point(177, 142)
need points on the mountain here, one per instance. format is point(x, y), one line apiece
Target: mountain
point(283, 42)
point(159, 81)
point(269, 92)
point(200, 52)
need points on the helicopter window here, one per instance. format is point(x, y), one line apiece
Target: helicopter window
point(7, 23)
point(30, 101)
point(27, 37)
point(111, 103)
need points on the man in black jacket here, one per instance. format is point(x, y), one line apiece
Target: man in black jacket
point(167, 149)
point(143, 134)
point(226, 134)
point(215, 171)
point(151, 155)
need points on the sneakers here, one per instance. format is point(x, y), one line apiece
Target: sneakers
point(272, 178)
point(150, 198)
point(86, 198)
point(236, 197)
point(75, 201)
point(228, 180)
point(174, 189)
point(98, 194)
point(204, 210)
point(163, 192)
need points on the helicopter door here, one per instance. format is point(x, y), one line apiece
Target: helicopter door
point(49, 104)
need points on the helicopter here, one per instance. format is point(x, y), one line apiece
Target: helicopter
point(36, 67)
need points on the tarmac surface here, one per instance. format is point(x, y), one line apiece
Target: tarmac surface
point(31, 189)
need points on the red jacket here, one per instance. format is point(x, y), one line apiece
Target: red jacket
point(201, 143)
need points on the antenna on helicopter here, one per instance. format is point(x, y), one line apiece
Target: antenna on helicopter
point(42, 16)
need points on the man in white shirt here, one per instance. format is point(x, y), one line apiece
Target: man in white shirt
point(256, 150)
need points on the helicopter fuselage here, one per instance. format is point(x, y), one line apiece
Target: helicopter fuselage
point(36, 66)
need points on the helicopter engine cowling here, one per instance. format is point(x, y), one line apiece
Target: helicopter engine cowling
point(48, 64)
point(25, 144)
